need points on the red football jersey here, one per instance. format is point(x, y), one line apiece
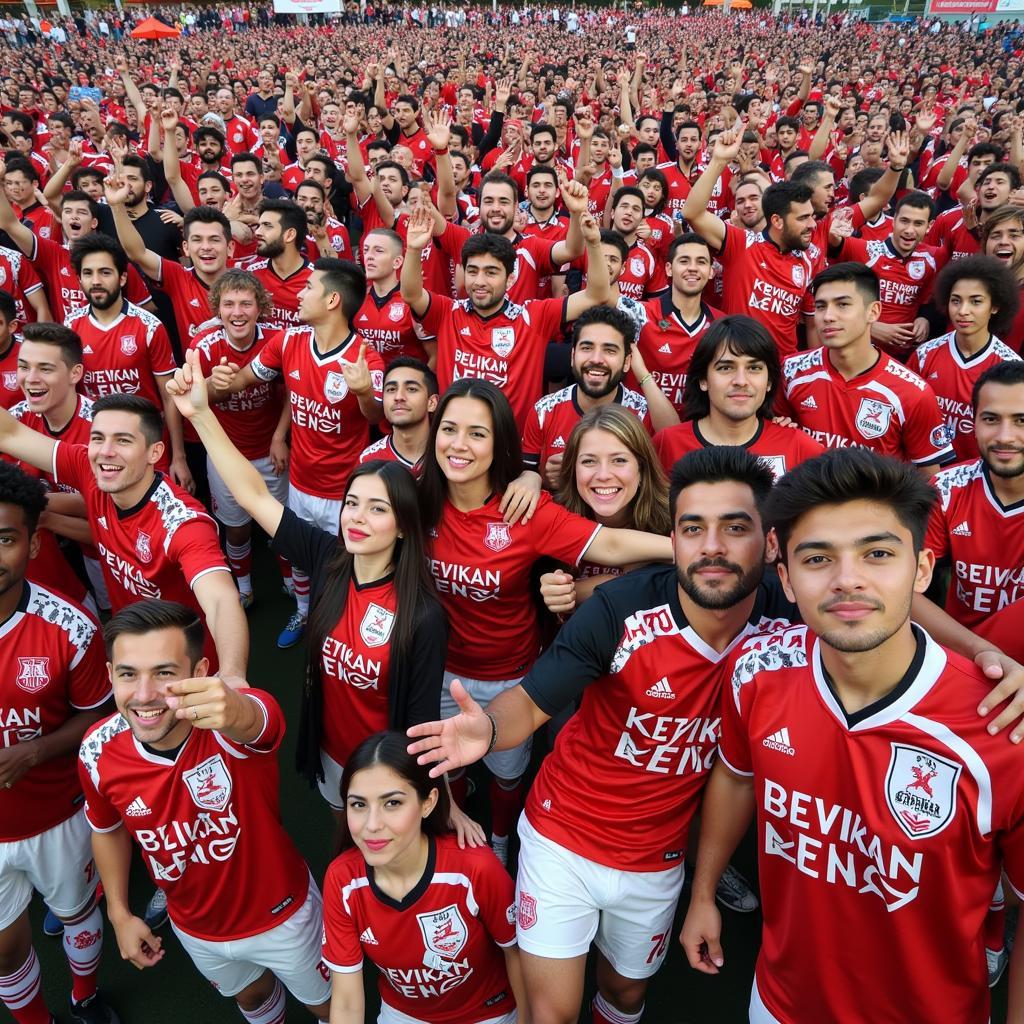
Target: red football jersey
point(760, 280)
point(387, 323)
point(667, 342)
point(661, 237)
point(284, 291)
point(642, 274)
point(384, 449)
point(951, 375)
point(438, 951)
point(645, 735)
point(887, 408)
point(982, 538)
point(239, 134)
point(63, 289)
point(883, 831)
point(54, 666)
point(552, 418)
point(877, 230)
point(507, 347)
point(328, 430)
point(191, 298)
point(679, 185)
point(438, 266)
point(125, 356)
point(904, 282)
point(250, 416)
point(10, 391)
point(952, 236)
point(781, 448)
point(207, 822)
point(18, 276)
point(554, 229)
point(481, 568)
point(160, 548)
point(337, 236)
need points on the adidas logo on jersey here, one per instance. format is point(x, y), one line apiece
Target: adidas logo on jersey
point(961, 530)
point(363, 318)
point(294, 375)
point(369, 938)
point(809, 402)
point(194, 302)
point(137, 808)
point(780, 741)
point(933, 376)
point(666, 348)
point(466, 331)
point(559, 442)
point(662, 690)
point(546, 805)
point(87, 351)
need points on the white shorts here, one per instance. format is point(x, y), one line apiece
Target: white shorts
point(322, 512)
point(505, 764)
point(292, 950)
point(226, 509)
point(330, 788)
point(389, 1015)
point(566, 902)
point(56, 863)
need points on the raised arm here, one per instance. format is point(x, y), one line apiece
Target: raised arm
point(882, 191)
point(576, 197)
point(25, 444)
point(598, 290)
point(417, 238)
point(438, 127)
point(117, 193)
point(695, 210)
point(828, 121)
point(57, 181)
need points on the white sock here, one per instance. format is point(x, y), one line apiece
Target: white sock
point(17, 990)
point(272, 1011)
point(605, 1013)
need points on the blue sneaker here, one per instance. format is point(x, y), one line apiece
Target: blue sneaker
point(52, 924)
point(155, 915)
point(292, 632)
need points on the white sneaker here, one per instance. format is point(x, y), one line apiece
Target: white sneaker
point(499, 844)
point(996, 963)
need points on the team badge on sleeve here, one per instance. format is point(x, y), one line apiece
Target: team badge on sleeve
point(920, 789)
point(129, 346)
point(873, 417)
point(498, 536)
point(375, 629)
point(33, 674)
point(444, 934)
point(210, 784)
point(335, 386)
point(503, 340)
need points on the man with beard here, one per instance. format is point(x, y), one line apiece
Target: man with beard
point(1002, 236)
point(747, 203)
point(645, 653)
point(327, 236)
point(281, 267)
point(957, 232)
point(124, 348)
point(137, 179)
point(240, 135)
point(601, 342)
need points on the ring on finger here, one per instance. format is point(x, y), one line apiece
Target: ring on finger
point(195, 714)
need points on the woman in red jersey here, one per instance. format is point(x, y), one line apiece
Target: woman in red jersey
point(481, 564)
point(438, 922)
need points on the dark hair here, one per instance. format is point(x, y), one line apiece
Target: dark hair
point(1007, 373)
point(69, 343)
point(862, 181)
point(214, 176)
point(999, 282)
point(659, 176)
point(916, 200)
point(788, 122)
point(78, 196)
point(851, 474)
point(487, 243)
point(78, 175)
point(271, 116)
point(629, 190)
point(739, 336)
point(610, 237)
point(506, 462)
point(246, 158)
point(610, 316)
point(133, 160)
point(497, 178)
point(686, 238)
point(393, 165)
point(27, 492)
point(863, 278)
point(985, 149)
point(330, 167)
point(407, 97)
point(207, 131)
point(8, 307)
point(151, 423)
point(541, 128)
point(96, 241)
point(777, 199)
point(152, 615)
point(538, 169)
point(293, 218)
point(1000, 168)
point(203, 214)
point(411, 363)
point(304, 130)
point(347, 279)
point(1000, 216)
point(389, 749)
point(685, 125)
point(314, 185)
point(809, 170)
point(414, 592)
point(720, 464)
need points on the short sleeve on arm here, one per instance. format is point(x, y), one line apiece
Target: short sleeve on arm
point(341, 949)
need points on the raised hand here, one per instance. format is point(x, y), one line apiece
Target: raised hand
point(575, 196)
point(168, 120)
point(727, 145)
point(187, 386)
point(438, 125)
point(420, 229)
point(455, 742)
point(357, 374)
point(115, 188)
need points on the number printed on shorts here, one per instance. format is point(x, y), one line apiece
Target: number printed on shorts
point(659, 943)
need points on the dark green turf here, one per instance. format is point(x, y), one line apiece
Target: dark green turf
point(175, 993)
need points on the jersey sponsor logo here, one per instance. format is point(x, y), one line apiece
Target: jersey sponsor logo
point(33, 674)
point(776, 463)
point(137, 808)
point(444, 934)
point(335, 387)
point(779, 741)
point(11, 380)
point(143, 548)
point(209, 784)
point(395, 312)
point(916, 269)
point(661, 690)
point(375, 629)
point(920, 790)
point(961, 529)
point(527, 910)
point(129, 346)
point(503, 340)
point(498, 536)
point(873, 417)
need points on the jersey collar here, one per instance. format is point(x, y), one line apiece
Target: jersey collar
point(746, 444)
point(380, 301)
point(414, 894)
point(125, 513)
point(669, 312)
point(1016, 508)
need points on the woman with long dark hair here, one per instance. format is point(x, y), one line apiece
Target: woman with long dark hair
point(482, 565)
point(437, 921)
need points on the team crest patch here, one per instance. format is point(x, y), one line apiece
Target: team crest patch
point(498, 536)
point(143, 548)
point(375, 629)
point(44, 231)
point(873, 417)
point(395, 312)
point(915, 268)
point(3, 275)
point(11, 380)
point(776, 463)
point(527, 910)
point(503, 340)
point(335, 386)
point(636, 266)
point(941, 435)
point(128, 345)
point(799, 277)
point(209, 784)
point(444, 932)
point(920, 789)
point(33, 674)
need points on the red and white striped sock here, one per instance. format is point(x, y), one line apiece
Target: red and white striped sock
point(240, 563)
point(22, 994)
point(604, 1013)
point(286, 572)
point(301, 584)
point(272, 1011)
point(83, 944)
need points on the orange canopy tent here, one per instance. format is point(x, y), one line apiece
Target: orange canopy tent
point(153, 29)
